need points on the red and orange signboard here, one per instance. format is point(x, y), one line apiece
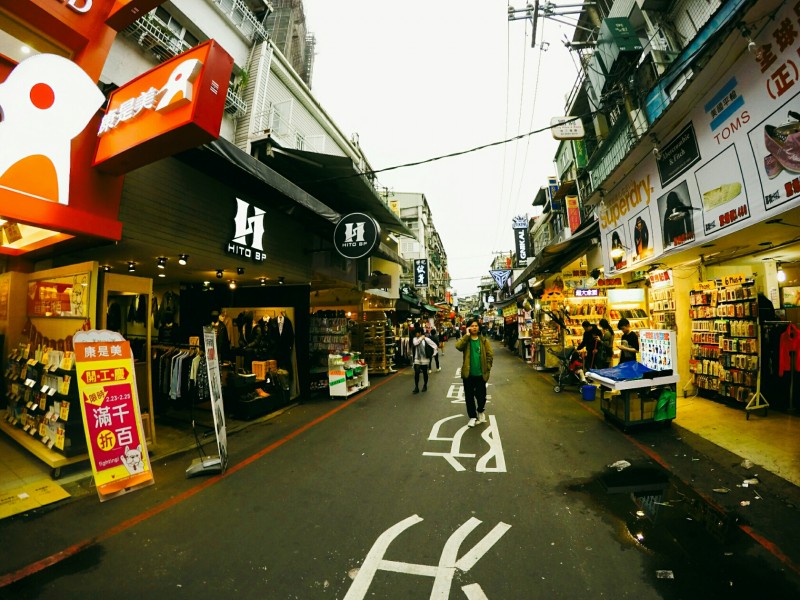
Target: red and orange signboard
point(174, 107)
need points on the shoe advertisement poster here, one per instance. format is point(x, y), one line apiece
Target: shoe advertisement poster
point(733, 162)
point(111, 417)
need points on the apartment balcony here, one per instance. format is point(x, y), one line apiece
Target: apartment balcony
point(242, 18)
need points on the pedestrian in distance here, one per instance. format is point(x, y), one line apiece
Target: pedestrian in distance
point(476, 367)
point(435, 338)
point(424, 350)
point(629, 345)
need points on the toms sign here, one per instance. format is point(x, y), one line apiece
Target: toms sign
point(356, 235)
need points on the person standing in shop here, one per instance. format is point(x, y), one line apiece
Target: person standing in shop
point(629, 345)
point(476, 367)
point(424, 350)
point(589, 344)
point(605, 349)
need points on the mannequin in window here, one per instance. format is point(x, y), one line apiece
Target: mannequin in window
point(221, 333)
point(283, 335)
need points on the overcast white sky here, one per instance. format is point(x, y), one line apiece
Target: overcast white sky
point(424, 78)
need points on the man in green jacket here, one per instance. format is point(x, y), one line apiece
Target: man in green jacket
point(475, 369)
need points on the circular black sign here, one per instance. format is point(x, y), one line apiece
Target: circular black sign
point(356, 235)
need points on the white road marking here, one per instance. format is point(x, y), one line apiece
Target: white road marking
point(442, 573)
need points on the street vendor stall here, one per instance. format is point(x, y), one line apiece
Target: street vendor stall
point(652, 380)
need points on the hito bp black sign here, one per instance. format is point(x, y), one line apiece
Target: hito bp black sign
point(356, 235)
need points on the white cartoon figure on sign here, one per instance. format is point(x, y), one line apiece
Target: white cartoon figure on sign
point(45, 102)
point(132, 460)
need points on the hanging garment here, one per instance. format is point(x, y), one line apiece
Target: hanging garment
point(790, 342)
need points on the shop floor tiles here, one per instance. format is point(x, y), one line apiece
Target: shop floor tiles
point(30, 496)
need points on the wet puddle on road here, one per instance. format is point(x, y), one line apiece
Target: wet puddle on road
point(692, 549)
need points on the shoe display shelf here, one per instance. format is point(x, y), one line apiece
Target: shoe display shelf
point(328, 335)
point(376, 342)
point(348, 374)
point(43, 411)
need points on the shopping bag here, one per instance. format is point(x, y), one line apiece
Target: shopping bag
point(666, 406)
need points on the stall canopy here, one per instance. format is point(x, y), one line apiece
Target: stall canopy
point(228, 163)
point(333, 179)
point(556, 256)
point(429, 308)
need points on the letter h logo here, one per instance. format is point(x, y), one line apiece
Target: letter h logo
point(249, 225)
point(354, 232)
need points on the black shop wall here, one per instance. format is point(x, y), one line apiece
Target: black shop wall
point(197, 305)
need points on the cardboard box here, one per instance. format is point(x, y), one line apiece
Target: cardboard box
point(259, 369)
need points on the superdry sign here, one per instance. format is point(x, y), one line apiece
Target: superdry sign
point(174, 107)
point(356, 235)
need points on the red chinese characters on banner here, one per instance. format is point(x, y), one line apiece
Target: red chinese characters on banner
point(111, 418)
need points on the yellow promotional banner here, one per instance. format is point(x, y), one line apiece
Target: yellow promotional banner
point(111, 417)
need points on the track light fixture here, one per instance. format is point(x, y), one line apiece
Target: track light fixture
point(240, 270)
point(281, 280)
point(131, 267)
point(263, 281)
point(183, 259)
point(219, 273)
point(106, 268)
point(232, 284)
point(162, 262)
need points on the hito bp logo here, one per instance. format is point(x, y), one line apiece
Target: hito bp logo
point(356, 235)
point(248, 240)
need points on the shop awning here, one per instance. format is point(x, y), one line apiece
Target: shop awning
point(227, 162)
point(430, 308)
point(555, 256)
point(333, 179)
point(509, 301)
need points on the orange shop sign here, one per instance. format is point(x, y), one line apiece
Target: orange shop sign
point(171, 108)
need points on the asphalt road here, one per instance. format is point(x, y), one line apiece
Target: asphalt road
point(389, 495)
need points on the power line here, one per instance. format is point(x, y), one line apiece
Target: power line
point(461, 152)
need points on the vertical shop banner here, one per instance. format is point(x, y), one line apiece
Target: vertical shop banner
point(111, 417)
point(573, 213)
point(521, 239)
point(215, 383)
point(731, 163)
point(421, 272)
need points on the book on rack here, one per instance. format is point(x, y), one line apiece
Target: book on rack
point(68, 362)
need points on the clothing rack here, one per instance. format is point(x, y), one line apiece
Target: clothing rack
point(757, 400)
point(792, 358)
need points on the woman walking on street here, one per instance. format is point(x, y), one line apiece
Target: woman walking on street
point(475, 369)
point(424, 350)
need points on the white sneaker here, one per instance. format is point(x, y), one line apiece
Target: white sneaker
point(439, 369)
point(481, 417)
point(471, 423)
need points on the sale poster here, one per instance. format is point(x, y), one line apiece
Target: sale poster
point(111, 416)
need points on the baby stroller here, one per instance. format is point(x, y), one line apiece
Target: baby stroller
point(570, 368)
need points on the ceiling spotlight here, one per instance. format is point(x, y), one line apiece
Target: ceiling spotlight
point(232, 285)
point(162, 262)
point(106, 268)
point(206, 283)
point(219, 273)
point(263, 281)
point(131, 267)
point(781, 274)
point(240, 270)
point(281, 280)
point(183, 259)
point(162, 274)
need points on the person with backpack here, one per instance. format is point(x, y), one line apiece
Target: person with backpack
point(424, 350)
point(475, 369)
